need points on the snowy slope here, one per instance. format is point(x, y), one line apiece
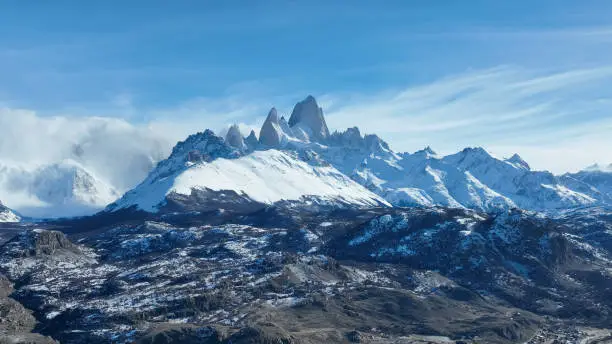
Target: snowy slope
point(424, 179)
point(265, 176)
point(595, 182)
point(57, 190)
point(535, 190)
point(7, 215)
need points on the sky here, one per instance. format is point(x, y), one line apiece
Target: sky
point(520, 76)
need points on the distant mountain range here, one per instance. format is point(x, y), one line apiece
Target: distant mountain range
point(300, 160)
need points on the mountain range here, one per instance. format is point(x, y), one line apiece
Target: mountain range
point(299, 159)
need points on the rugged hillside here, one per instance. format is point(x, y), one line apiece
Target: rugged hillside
point(283, 274)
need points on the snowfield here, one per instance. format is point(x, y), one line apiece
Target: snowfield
point(264, 176)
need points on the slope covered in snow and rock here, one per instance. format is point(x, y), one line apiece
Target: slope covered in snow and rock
point(594, 180)
point(7, 215)
point(292, 275)
point(206, 163)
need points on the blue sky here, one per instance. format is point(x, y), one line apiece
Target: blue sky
point(525, 76)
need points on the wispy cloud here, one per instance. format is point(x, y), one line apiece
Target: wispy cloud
point(500, 108)
point(591, 33)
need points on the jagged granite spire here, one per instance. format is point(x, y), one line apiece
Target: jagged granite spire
point(308, 116)
point(251, 141)
point(271, 133)
point(234, 137)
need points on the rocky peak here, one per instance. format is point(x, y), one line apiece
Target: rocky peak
point(205, 144)
point(39, 242)
point(201, 147)
point(251, 141)
point(516, 160)
point(234, 137)
point(308, 116)
point(375, 144)
point(271, 133)
point(349, 138)
point(426, 152)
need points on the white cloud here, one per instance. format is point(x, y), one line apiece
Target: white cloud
point(504, 109)
point(117, 151)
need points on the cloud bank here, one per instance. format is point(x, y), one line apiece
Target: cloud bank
point(117, 151)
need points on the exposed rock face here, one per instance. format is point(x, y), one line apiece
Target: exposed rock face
point(234, 137)
point(308, 116)
point(39, 242)
point(350, 138)
point(16, 322)
point(518, 161)
point(271, 133)
point(251, 141)
point(48, 242)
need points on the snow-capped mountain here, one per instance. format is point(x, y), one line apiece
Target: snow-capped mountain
point(300, 157)
point(594, 181)
point(472, 178)
point(7, 215)
point(206, 164)
point(63, 189)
